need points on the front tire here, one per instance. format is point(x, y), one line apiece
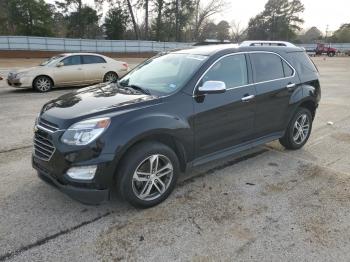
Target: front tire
point(148, 174)
point(42, 84)
point(298, 130)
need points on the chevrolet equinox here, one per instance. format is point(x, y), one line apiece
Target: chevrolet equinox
point(174, 111)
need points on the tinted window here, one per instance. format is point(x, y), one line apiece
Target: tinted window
point(288, 71)
point(304, 66)
point(72, 60)
point(232, 70)
point(91, 59)
point(266, 67)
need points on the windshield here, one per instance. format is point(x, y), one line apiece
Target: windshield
point(51, 60)
point(164, 74)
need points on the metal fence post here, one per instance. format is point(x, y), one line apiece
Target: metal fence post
point(46, 44)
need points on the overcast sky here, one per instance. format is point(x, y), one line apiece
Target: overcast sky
point(317, 12)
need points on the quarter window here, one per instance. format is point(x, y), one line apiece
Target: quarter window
point(231, 69)
point(72, 60)
point(91, 59)
point(266, 66)
point(288, 71)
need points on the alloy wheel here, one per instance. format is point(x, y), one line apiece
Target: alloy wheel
point(110, 77)
point(43, 84)
point(301, 129)
point(152, 177)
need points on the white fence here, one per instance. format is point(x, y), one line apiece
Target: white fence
point(115, 46)
point(84, 45)
point(338, 46)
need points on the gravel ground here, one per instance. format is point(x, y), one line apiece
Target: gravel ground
point(267, 204)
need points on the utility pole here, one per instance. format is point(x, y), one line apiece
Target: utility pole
point(146, 19)
point(177, 20)
point(326, 34)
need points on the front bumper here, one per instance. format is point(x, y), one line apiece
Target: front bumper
point(84, 195)
point(55, 166)
point(22, 82)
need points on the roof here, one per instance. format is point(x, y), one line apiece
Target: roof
point(67, 54)
point(273, 46)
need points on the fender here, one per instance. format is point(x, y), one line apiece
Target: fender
point(304, 93)
point(147, 126)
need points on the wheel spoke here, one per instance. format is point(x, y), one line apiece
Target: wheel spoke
point(164, 170)
point(296, 137)
point(162, 185)
point(303, 120)
point(141, 176)
point(153, 160)
point(146, 189)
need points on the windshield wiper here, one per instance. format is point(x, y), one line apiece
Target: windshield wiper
point(136, 87)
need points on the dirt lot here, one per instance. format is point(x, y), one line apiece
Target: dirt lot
point(266, 205)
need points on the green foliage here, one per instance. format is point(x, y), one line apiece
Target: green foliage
point(223, 30)
point(83, 23)
point(279, 21)
point(168, 21)
point(342, 35)
point(26, 17)
point(116, 22)
point(209, 31)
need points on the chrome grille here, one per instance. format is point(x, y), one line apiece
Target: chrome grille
point(43, 147)
point(46, 125)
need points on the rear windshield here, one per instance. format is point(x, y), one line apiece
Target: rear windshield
point(305, 67)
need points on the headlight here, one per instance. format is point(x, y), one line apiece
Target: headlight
point(84, 132)
point(19, 75)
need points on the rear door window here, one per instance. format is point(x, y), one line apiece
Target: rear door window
point(231, 69)
point(72, 60)
point(91, 59)
point(266, 66)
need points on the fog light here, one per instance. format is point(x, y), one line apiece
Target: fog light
point(82, 172)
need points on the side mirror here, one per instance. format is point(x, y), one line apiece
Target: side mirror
point(212, 87)
point(60, 64)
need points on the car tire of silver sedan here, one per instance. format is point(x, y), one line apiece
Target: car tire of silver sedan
point(42, 84)
point(147, 174)
point(298, 130)
point(110, 77)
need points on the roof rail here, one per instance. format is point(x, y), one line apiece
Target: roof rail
point(267, 43)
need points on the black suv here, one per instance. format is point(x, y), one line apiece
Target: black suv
point(174, 111)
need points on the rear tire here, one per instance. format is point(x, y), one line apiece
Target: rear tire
point(42, 84)
point(110, 77)
point(147, 174)
point(298, 130)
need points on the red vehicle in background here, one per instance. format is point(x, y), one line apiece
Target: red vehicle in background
point(325, 49)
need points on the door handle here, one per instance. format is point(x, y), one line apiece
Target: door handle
point(247, 98)
point(80, 69)
point(290, 85)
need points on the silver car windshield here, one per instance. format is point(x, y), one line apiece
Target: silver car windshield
point(164, 74)
point(51, 60)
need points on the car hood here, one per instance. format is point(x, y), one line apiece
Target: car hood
point(92, 101)
point(28, 70)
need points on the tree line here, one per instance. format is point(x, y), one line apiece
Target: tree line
point(161, 20)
